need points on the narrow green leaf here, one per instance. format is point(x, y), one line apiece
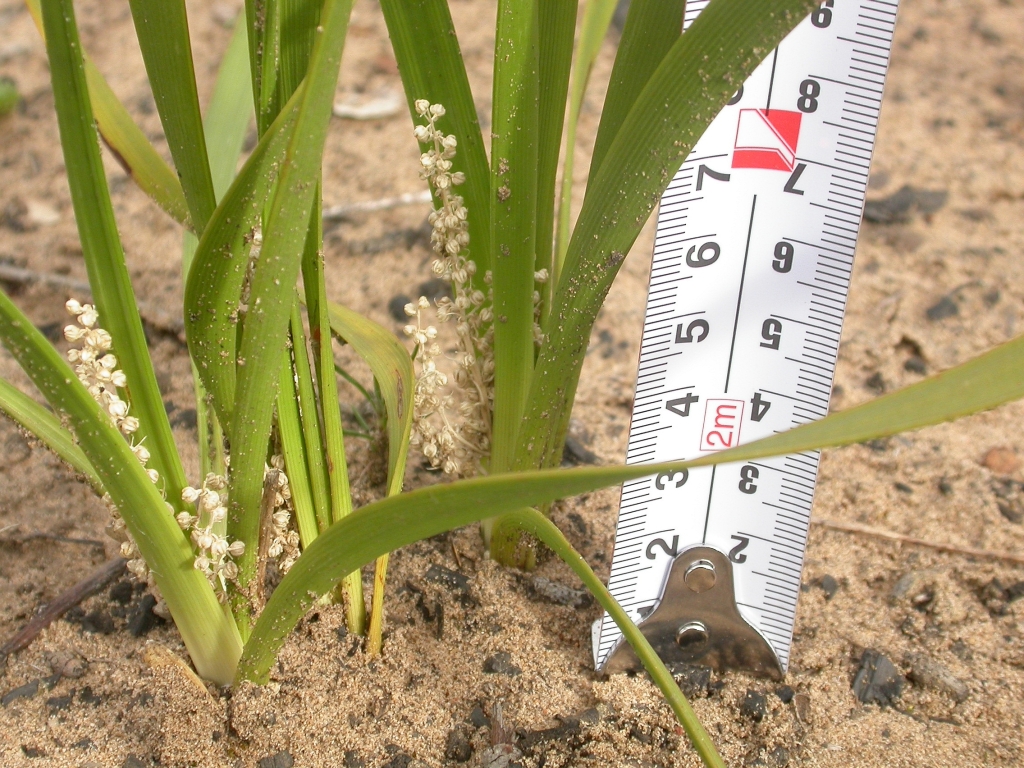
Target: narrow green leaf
point(393, 372)
point(557, 27)
point(979, 384)
point(32, 417)
point(211, 639)
point(162, 30)
point(229, 112)
point(272, 288)
point(124, 138)
point(694, 81)
point(299, 20)
point(430, 63)
point(289, 428)
point(597, 15)
point(652, 28)
point(513, 217)
point(101, 245)
point(218, 269)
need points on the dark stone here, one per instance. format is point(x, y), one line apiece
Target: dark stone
point(400, 760)
point(121, 592)
point(903, 488)
point(693, 680)
point(575, 453)
point(916, 364)
point(435, 289)
point(878, 445)
point(501, 664)
point(85, 743)
point(353, 759)
point(282, 759)
point(943, 308)
point(563, 732)
point(928, 673)
point(32, 751)
point(875, 383)
point(142, 618)
point(779, 757)
point(877, 681)
point(98, 622)
point(555, 592)
point(57, 703)
point(478, 718)
point(1015, 591)
point(186, 418)
point(899, 206)
point(589, 716)
point(785, 694)
point(86, 696)
point(52, 331)
point(396, 307)
point(437, 574)
point(457, 746)
point(829, 586)
point(26, 691)
point(132, 762)
point(755, 706)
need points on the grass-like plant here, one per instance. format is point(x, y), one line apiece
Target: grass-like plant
point(275, 482)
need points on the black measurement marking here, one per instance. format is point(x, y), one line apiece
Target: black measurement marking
point(771, 81)
point(739, 303)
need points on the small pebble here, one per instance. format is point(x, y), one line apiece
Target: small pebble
point(829, 586)
point(877, 681)
point(457, 746)
point(501, 664)
point(121, 592)
point(561, 594)
point(282, 759)
point(1001, 460)
point(142, 619)
point(67, 664)
point(437, 574)
point(353, 759)
point(929, 673)
point(785, 694)
point(57, 703)
point(755, 706)
point(916, 364)
point(943, 308)
point(693, 679)
point(478, 718)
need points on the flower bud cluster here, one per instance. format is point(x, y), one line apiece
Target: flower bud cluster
point(284, 542)
point(215, 555)
point(456, 444)
point(96, 367)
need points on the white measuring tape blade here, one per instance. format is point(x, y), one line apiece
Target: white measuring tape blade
point(752, 262)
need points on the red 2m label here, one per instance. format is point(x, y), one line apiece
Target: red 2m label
point(722, 420)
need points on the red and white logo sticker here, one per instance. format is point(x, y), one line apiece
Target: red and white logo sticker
point(722, 421)
point(766, 138)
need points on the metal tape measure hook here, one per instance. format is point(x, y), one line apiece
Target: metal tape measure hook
point(696, 621)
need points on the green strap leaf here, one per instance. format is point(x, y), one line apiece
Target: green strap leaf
point(272, 288)
point(985, 382)
point(218, 269)
point(32, 417)
point(101, 245)
point(430, 63)
point(652, 28)
point(597, 15)
point(211, 638)
point(557, 27)
point(124, 138)
point(162, 30)
point(513, 217)
point(694, 81)
point(392, 368)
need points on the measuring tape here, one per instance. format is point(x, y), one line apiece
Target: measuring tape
point(752, 262)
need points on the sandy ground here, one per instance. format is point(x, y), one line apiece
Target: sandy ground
point(487, 657)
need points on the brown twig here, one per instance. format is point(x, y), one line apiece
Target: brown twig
point(878, 533)
point(34, 535)
point(87, 587)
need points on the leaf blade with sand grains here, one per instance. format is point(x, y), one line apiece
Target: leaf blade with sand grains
point(430, 63)
point(392, 369)
point(218, 268)
point(211, 638)
point(31, 416)
point(989, 380)
point(162, 30)
point(101, 244)
point(694, 81)
point(128, 143)
point(272, 292)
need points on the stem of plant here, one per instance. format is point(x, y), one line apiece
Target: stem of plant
point(533, 521)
